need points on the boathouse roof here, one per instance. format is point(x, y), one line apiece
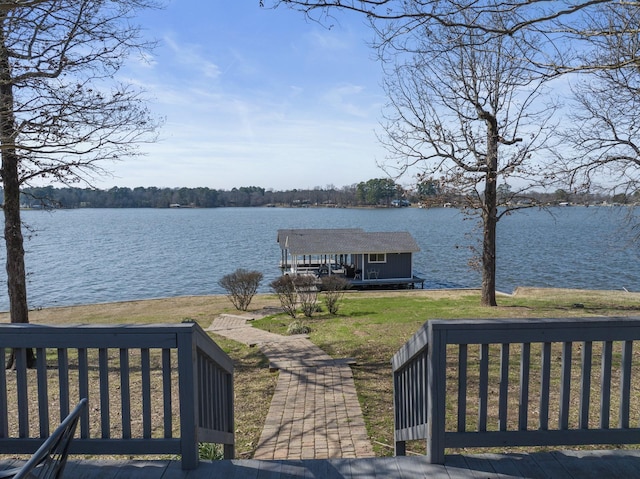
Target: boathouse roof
point(345, 241)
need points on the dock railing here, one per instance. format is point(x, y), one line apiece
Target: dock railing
point(518, 382)
point(152, 389)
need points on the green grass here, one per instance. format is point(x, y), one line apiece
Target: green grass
point(371, 328)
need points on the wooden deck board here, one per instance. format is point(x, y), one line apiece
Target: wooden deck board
point(551, 466)
point(544, 465)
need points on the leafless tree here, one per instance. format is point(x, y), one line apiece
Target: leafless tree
point(603, 139)
point(471, 113)
point(61, 111)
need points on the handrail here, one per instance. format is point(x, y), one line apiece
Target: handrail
point(504, 380)
point(152, 389)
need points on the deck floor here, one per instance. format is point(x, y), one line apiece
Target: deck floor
point(554, 465)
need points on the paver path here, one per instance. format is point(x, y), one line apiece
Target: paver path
point(314, 413)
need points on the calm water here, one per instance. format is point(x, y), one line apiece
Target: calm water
point(91, 256)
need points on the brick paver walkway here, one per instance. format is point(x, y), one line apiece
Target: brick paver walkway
point(314, 413)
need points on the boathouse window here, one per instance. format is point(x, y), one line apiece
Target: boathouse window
point(377, 257)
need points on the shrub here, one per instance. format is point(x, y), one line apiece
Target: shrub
point(241, 287)
point(307, 294)
point(298, 327)
point(334, 288)
point(286, 291)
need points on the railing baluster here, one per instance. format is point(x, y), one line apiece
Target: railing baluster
point(206, 386)
point(585, 385)
point(63, 382)
point(462, 387)
point(406, 395)
point(565, 385)
point(422, 397)
point(216, 392)
point(504, 387)
point(103, 364)
point(625, 383)
point(125, 393)
point(43, 392)
point(213, 391)
point(220, 394)
point(605, 385)
point(206, 391)
point(166, 393)
point(483, 387)
point(525, 369)
point(545, 375)
point(83, 387)
point(399, 408)
point(145, 363)
point(23, 397)
point(414, 399)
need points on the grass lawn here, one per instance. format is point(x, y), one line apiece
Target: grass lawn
point(370, 327)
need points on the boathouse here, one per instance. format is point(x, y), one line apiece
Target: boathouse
point(366, 259)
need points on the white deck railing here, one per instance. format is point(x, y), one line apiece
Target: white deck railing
point(518, 382)
point(153, 389)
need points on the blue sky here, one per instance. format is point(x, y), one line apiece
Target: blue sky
point(255, 96)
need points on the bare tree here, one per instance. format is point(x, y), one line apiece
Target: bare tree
point(556, 38)
point(61, 112)
point(603, 138)
point(470, 113)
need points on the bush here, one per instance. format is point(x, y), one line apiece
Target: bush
point(334, 288)
point(241, 287)
point(286, 291)
point(298, 327)
point(307, 294)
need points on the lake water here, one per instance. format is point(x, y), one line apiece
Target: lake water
point(103, 255)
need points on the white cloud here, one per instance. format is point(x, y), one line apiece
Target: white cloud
point(284, 105)
point(190, 55)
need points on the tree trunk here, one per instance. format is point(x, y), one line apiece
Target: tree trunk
point(16, 277)
point(490, 217)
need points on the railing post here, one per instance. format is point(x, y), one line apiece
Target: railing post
point(188, 398)
point(230, 449)
point(436, 389)
point(400, 448)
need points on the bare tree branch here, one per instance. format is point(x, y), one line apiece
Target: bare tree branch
point(472, 115)
point(61, 113)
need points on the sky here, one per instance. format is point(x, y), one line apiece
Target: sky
point(255, 97)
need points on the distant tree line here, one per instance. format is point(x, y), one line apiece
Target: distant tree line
point(370, 193)
point(374, 192)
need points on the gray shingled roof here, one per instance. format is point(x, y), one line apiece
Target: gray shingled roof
point(345, 241)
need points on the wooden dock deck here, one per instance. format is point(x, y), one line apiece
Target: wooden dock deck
point(541, 465)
